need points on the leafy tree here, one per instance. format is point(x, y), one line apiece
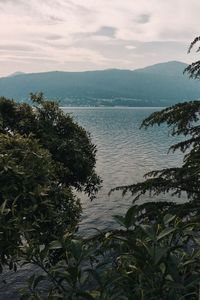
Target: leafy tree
point(43, 155)
point(69, 144)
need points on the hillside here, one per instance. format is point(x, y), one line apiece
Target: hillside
point(171, 68)
point(157, 85)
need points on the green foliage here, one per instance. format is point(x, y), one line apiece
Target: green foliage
point(157, 260)
point(34, 206)
point(43, 155)
point(69, 144)
point(154, 256)
point(194, 69)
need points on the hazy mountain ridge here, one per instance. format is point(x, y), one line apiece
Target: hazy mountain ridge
point(157, 85)
point(16, 74)
point(171, 68)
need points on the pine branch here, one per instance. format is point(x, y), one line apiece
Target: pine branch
point(194, 43)
point(180, 117)
point(193, 69)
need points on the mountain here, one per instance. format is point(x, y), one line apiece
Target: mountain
point(171, 68)
point(15, 74)
point(158, 85)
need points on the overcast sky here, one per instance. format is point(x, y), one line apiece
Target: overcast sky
point(76, 35)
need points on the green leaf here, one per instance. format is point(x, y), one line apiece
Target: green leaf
point(165, 233)
point(159, 253)
point(85, 295)
point(168, 218)
point(130, 216)
point(149, 231)
point(55, 245)
point(37, 280)
point(162, 268)
point(64, 275)
point(77, 249)
point(169, 277)
point(2, 208)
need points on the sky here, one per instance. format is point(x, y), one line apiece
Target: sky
point(79, 35)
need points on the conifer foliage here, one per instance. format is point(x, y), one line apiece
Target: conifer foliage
point(183, 119)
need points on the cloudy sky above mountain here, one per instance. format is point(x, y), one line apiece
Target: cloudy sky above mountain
point(76, 35)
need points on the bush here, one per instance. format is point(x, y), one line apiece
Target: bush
point(43, 156)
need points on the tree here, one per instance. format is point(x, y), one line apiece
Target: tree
point(43, 155)
point(69, 144)
point(194, 69)
point(183, 119)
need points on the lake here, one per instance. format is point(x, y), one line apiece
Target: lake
point(124, 154)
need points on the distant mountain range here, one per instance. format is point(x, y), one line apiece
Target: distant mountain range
point(16, 74)
point(158, 85)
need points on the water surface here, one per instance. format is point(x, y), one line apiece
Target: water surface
point(125, 153)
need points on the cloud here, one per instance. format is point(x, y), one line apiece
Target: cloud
point(54, 37)
point(130, 47)
point(10, 1)
point(16, 47)
point(143, 19)
point(106, 31)
point(102, 33)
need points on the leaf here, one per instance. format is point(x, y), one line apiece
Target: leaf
point(3, 206)
point(168, 218)
point(162, 268)
point(37, 280)
point(65, 275)
point(165, 232)
point(130, 216)
point(169, 277)
point(76, 247)
point(95, 275)
point(159, 253)
point(120, 220)
point(148, 229)
point(85, 295)
point(55, 245)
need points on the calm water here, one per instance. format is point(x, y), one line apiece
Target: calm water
point(124, 154)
